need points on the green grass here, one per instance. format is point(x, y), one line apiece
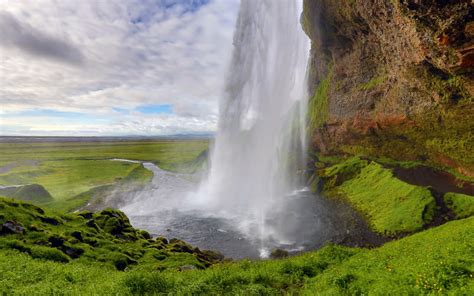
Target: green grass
point(390, 205)
point(436, 261)
point(462, 205)
point(160, 151)
point(73, 172)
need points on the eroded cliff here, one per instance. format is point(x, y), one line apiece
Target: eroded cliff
point(393, 81)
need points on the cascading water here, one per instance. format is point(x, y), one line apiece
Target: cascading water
point(260, 140)
point(249, 203)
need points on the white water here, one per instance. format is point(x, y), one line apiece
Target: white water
point(252, 199)
point(260, 141)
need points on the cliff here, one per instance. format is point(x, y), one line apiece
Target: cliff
point(393, 81)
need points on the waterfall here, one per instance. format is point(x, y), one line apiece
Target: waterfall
point(260, 141)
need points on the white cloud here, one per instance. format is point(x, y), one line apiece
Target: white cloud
point(93, 56)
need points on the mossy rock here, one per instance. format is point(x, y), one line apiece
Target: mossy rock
point(52, 254)
point(32, 192)
point(107, 237)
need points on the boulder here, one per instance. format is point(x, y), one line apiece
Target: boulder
point(11, 227)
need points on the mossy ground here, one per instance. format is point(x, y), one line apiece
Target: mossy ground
point(390, 205)
point(439, 260)
point(106, 237)
point(462, 205)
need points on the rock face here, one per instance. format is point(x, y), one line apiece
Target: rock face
point(393, 79)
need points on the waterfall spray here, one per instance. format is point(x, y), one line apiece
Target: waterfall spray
point(260, 140)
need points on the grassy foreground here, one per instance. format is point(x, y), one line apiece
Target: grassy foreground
point(436, 261)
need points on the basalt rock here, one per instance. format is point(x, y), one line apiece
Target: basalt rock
point(11, 227)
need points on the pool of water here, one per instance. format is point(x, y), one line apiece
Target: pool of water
point(306, 221)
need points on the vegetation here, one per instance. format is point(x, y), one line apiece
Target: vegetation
point(318, 104)
point(65, 176)
point(390, 205)
point(433, 261)
point(440, 139)
point(372, 83)
point(106, 237)
point(462, 205)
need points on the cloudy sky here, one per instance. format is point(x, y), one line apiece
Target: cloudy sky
point(113, 67)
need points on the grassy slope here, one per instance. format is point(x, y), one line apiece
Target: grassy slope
point(72, 172)
point(390, 205)
point(434, 261)
point(462, 205)
point(105, 238)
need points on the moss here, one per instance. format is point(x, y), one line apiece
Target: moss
point(437, 138)
point(462, 205)
point(390, 205)
point(372, 83)
point(47, 253)
point(338, 173)
point(450, 88)
point(112, 241)
point(318, 107)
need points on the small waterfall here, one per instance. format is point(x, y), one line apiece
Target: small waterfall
point(260, 141)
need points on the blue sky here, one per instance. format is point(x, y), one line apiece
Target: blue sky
point(92, 67)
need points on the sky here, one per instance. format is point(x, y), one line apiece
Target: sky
point(113, 67)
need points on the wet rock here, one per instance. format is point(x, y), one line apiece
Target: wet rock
point(86, 215)
point(56, 241)
point(12, 227)
point(161, 239)
point(77, 235)
point(73, 252)
point(278, 254)
point(92, 224)
point(50, 220)
point(34, 208)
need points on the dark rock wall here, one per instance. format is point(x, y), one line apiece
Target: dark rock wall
point(398, 80)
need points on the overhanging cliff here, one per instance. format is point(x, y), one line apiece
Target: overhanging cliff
point(393, 80)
